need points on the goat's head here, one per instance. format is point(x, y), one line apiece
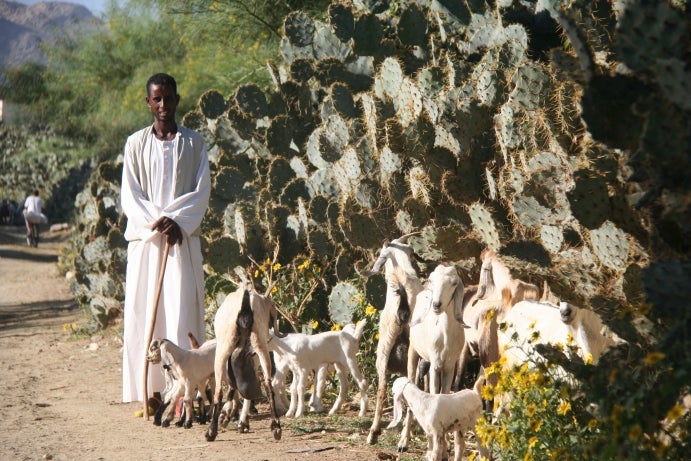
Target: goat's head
point(154, 354)
point(398, 400)
point(446, 289)
point(568, 312)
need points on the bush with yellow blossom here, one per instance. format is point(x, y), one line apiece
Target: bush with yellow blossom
point(541, 419)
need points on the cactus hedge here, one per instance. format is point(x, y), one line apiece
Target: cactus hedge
point(557, 135)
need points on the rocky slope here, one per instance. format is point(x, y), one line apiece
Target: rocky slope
point(24, 27)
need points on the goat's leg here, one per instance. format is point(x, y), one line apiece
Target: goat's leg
point(438, 443)
point(265, 362)
point(159, 413)
point(382, 360)
point(463, 360)
point(244, 418)
point(278, 384)
point(300, 392)
point(223, 351)
point(293, 395)
point(434, 379)
point(230, 410)
point(342, 388)
point(458, 445)
point(447, 375)
point(187, 404)
point(172, 399)
point(361, 384)
point(315, 403)
point(405, 432)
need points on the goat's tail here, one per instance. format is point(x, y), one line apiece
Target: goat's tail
point(359, 328)
point(194, 344)
point(245, 318)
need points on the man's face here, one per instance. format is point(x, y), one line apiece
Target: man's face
point(163, 102)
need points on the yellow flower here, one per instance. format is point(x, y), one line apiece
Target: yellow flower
point(532, 441)
point(536, 425)
point(589, 359)
point(487, 392)
point(675, 413)
point(530, 409)
point(276, 267)
point(592, 424)
point(305, 265)
point(370, 310)
point(64, 327)
point(315, 324)
point(653, 358)
point(274, 289)
point(564, 407)
point(528, 456)
point(256, 273)
point(336, 327)
point(635, 433)
point(376, 336)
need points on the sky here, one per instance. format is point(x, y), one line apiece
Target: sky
point(97, 7)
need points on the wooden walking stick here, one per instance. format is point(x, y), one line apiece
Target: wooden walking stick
point(152, 324)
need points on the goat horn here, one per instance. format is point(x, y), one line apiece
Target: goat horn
point(404, 238)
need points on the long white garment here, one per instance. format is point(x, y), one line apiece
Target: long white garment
point(162, 179)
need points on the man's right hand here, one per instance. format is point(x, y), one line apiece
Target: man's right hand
point(170, 228)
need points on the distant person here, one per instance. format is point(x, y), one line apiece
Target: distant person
point(165, 193)
point(5, 213)
point(33, 213)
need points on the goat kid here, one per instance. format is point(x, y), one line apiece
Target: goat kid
point(305, 353)
point(439, 414)
point(186, 371)
point(241, 326)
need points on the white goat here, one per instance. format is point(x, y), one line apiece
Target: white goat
point(186, 371)
point(439, 414)
point(283, 404)
point(529, 323)
point(305, 353)
point(242, 328)
point(403, 284)
point(436, 333)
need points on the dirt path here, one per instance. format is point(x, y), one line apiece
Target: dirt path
point(64, 394)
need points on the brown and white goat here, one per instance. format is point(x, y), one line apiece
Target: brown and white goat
point(403, 284)
point(186, 371)
point(242, 328)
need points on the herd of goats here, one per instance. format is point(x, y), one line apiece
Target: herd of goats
point(427, 328)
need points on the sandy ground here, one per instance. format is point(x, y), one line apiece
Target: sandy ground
point(64, 392)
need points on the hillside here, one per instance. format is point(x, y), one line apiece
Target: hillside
point(24, 27)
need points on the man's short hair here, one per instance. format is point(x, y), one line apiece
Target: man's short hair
point(163, 80)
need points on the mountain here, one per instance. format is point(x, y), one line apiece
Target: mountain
point(24, 27)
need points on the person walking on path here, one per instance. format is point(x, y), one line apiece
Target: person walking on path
point(165, 193)
point(33, 213)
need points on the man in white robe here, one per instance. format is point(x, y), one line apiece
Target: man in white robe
point(165, 193)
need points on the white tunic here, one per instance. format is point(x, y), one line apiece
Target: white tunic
point(162, 179)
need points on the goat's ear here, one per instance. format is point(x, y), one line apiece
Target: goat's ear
point(458, 301)
point(397, 410)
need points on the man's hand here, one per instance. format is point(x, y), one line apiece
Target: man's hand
point(170, 228)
